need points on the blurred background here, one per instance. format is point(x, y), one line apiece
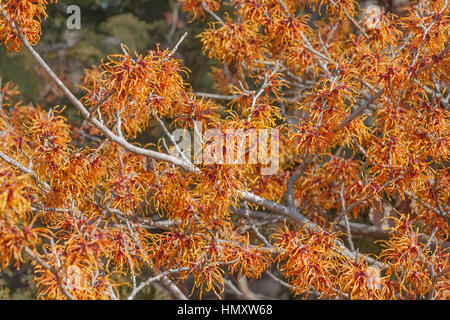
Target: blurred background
point(105, 24)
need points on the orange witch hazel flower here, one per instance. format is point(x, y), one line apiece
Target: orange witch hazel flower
point(361, 281)
point(232, 41)
point(165, 181)
point(197, 7)
point(24, 17)
point(151, 82)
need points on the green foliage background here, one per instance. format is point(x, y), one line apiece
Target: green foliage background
point(105, 24)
